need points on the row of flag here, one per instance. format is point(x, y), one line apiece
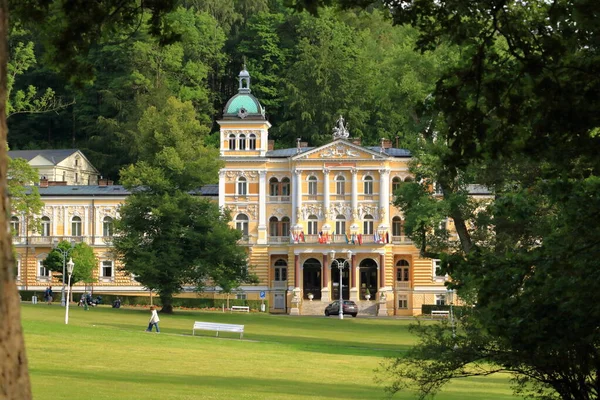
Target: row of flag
point(355, 238)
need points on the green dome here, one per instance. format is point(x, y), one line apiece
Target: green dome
point(243, 104)
point(246, 101)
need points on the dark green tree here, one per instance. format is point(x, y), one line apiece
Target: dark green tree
point(518, 114)
point(83, 257)
point(168, 235)
point(76, 26)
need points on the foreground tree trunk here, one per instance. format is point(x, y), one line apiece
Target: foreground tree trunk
point(14, 375)
point(167, 303)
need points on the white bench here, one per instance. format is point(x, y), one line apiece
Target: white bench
point(213, 326)
point(440, 313)
point(240, 308)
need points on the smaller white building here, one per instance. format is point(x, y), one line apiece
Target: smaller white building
point(68, 166)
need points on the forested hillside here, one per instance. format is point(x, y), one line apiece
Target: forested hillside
point(306, 70)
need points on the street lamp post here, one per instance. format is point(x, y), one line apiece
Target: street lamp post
point(451, 298)
point(64, 254)
point(70, 266)
point(340, 266)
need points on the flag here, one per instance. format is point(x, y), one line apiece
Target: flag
point(359, 238)
point(376, 238)
point(320, 236)
point(302, 236)
point(347, 240)
point(387, 237)
point(353, 238)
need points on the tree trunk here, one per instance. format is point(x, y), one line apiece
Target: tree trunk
point(167, 303)
point(14, 375)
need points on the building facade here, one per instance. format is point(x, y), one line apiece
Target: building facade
point(318, 223)
point(67, 166)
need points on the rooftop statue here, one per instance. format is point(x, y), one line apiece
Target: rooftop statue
point(340, 130)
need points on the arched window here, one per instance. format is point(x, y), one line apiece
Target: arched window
point(396, 182)
point(368, 225)
point(402, 271)
point(312, 225)
point(285, 187)
point(45, 226)
point(340, 185)
point(242, 142)
point(273, 187)
point(280, 270)
point(15, 226)
point(408, 179)
point(340, 225)
point(107, 226)
point(368, 185)
point(312, 185)
point(285, 226)
point(252, 142)
point(232, 142)
point(396, 226)
point(274, 226)
point(241, 224)
point(76, 226)
point(242, 186)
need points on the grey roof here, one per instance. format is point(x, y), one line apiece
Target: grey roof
point(282, 153)
point(478, 189)
point(111, 190)
point(210, 190)
point(393, 152)
point(287, 152)
point(84, 190)
point(55, 156)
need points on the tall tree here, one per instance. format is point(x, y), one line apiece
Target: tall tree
point(77, 26)
point(518, 114)
point(170, 236)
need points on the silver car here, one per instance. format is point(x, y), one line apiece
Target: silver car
point(349, 307)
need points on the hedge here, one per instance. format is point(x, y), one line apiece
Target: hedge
point(145, 300)
point(426, 309)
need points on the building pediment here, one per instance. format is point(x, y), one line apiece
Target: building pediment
point(340, 150)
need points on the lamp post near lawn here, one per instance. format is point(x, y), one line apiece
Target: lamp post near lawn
point(64, 254)
point(340, 265)
point(70, 266)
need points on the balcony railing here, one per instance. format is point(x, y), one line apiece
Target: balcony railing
point(366, 239)
point(280, 199)
point(402, 285)
point(401, 240)
point(278, 284)
point(279, 239)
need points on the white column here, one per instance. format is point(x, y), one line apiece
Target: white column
point(384, 194)
point(65, 217)
point(298, 195)
point(86, 222)
point(294, 198)
point(221, 188)
point(354, 190)
point(326, 192)
point(53, 223)
point(262, 199)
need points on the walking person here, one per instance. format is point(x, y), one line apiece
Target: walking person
point(48, 295)
point(153, 320)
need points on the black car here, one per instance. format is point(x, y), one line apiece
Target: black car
point(350, 307)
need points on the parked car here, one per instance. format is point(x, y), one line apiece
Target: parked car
point(349, 307)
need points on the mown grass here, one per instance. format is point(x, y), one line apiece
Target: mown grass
point(104, 353)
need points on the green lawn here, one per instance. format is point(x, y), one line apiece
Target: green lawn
point(104, 353)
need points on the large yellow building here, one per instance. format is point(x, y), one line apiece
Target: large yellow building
point(308, 215)
point(305, 212)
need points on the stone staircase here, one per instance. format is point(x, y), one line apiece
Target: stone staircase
point(317, 307)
